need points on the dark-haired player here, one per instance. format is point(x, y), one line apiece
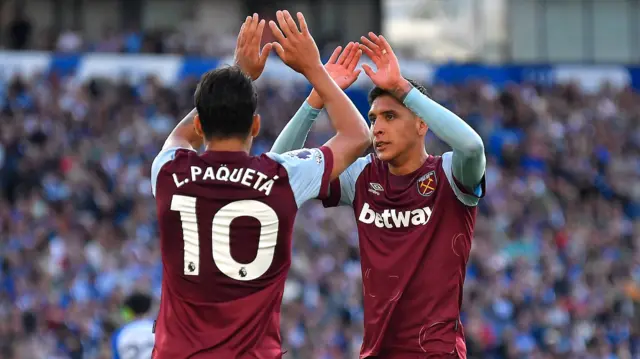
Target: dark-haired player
point(135, 339)
point(415, 214)
point(226, 217)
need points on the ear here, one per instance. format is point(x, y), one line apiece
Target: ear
point(198, 126)
point(255, 127)
point(421, 127)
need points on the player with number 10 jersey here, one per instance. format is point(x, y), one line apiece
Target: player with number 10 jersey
point(226, 217)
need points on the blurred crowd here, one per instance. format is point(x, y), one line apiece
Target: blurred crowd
point(555, 264)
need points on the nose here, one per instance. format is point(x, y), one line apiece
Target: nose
point(377, 128)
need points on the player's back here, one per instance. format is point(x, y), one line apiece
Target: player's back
point(134, 340)
point(225, 221)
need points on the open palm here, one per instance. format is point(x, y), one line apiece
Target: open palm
point(387, 74)
point(342, 66)
point(342, 69)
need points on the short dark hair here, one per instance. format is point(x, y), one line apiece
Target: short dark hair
point(226, 101)
point(377, 91)
point(139, 303)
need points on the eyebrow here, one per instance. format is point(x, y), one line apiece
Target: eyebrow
point(385, 112)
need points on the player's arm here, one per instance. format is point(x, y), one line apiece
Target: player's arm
point(299, 51)
point(294, 134)
point(249, 58)
point(468, 160)
point(468, 163)
point(342, 69)
point(184, 135)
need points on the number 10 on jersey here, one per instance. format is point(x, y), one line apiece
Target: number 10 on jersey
point(221, 239)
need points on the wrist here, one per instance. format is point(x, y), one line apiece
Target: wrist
point(314, 71)
point(315, 101)
point(401, 90)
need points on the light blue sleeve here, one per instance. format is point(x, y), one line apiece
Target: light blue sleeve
point(309, 171)
point(468, 198)
point(468, 160)
point(342, 191)
point(295, 132)
point(161, 159)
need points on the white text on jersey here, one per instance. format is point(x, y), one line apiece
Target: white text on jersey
point(390, 218)
point(246, 176)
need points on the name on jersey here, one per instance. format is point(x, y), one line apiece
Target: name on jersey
point(391, 218)
point(245, 176)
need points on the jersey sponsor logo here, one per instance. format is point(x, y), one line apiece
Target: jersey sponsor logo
point(375, 188)
point(427, 184)
point(391, 218)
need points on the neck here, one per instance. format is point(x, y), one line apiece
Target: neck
point(408, 162)
point(229, 145)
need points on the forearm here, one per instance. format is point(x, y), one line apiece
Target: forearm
point(344, 116)
point(295, 132)
point(185, 133)
point(469, 160)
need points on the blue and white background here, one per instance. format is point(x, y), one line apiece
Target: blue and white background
point(170, 69)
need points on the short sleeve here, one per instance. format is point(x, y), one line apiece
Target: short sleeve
point(161, 159)
point(309, 171)
point(467, 198)
point(342, 190)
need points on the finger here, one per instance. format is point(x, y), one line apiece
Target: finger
point(354, 76)
point(279, 50)
point(242, 36)
point(374, 37)
point(258, 35)
point(385, 46)
point(334, 55)
point(368, 43)
point(303, 23)
point(277, 33)
point(368, 70)
point(291, 23)
point(254, 24)
point(283, 23)
point(345, 54)
point(266, 50)
point(353, 62)
point(367, 51)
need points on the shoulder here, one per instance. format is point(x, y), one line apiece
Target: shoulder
point(465, 196)
point(172, 155)
point(297, 156)
point(302, 161)
point(362, 164)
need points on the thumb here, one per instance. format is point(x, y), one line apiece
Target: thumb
point(368, 70)
point(356, 73)
point(266, 50)
point(279, 49)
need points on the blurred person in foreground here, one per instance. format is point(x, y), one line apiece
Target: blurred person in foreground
point(135, 339)
point(415, 212)
point(223, 284)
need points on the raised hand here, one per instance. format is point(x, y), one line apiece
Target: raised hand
point(247, 54)
point(295, 47)
point(342, 69)
point(342, 65)
point(387, 74)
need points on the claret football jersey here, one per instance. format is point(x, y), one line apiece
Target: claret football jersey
point(225, 221)
point(415, 235)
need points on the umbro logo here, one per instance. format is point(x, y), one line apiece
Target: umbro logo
point(375, 188)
